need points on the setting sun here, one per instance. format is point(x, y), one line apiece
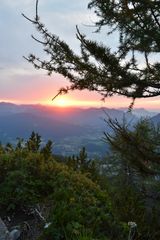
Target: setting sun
point(61, 102)
point(65, 101)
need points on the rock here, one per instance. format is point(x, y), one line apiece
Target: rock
point(14, 235)
point(6, 235)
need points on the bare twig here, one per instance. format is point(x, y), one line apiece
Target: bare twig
point(37, 17)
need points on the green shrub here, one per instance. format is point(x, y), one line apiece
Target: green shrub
point(76, 202)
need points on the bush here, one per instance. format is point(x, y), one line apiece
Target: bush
point(75, 201)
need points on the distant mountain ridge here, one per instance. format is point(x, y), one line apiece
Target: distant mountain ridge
point(140, 112)
point(10, 108)
point(70, 128)
point(156, 119)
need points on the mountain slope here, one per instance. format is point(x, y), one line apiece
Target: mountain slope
point(156, 119)
point(22, 124)
point(69, 128)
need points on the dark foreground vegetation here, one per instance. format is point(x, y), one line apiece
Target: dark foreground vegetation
point(81, 199)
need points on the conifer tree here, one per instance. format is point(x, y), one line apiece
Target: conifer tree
point(82, 158)
point(9, 147)
point(34, 142)
point(129, 71)
point(20, 143)
point(137, 147)
point(47, 149)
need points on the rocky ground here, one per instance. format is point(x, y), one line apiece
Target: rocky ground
point(21, 224)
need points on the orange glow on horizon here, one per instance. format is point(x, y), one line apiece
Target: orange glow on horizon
point(115, 102)
point(85, 100)
point(61, 102)
point(66, 101)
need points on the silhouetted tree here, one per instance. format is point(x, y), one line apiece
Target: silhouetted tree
point(130, 70)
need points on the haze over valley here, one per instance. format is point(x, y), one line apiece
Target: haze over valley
point(69, 128)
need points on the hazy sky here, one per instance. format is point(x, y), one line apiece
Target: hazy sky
point(19, 81)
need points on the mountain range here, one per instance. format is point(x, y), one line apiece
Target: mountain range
point(69, 128)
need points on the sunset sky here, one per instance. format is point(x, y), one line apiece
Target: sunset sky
point(19, 81)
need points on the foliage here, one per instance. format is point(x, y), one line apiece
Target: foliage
point(33, 144)
point(101, 69)
point(83, 164)
point(79, 203)
point(133, 173)
point(139, 147)
point(86, 202)
point(47, 149)
point(83, 205)
point(75, 202)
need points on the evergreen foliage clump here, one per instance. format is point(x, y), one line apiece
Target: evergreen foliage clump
point(138, 146)
point(133, 167)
